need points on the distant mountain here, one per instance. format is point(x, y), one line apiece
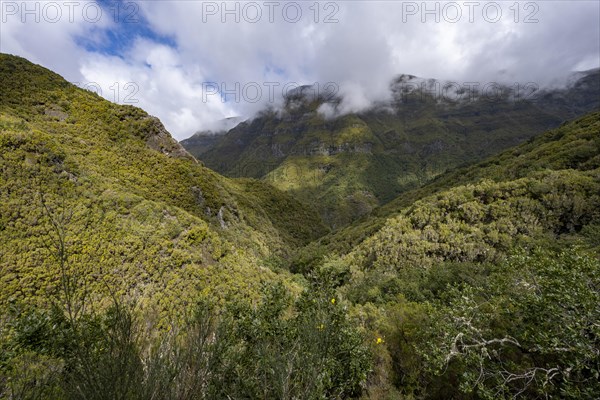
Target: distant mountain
point(581, 95)
point(202, 141)
point(549, 168)
point(348, 165)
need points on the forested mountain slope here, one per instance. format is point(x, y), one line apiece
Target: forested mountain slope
point(349, 165)
point(486, 282)
point(125, 200)
point(130, 270)
point(552, 159)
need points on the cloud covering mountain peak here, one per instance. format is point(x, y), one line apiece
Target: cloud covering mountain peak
point(168, 57)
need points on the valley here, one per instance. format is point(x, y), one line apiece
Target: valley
point(416, 250)
point(350, 165)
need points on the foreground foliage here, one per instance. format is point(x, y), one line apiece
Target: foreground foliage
point(281, 347)
point(531, 330)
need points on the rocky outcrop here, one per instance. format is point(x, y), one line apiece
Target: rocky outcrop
point(159, 139)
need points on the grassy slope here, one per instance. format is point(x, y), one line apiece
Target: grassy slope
point(135, 210)
point(552, 161)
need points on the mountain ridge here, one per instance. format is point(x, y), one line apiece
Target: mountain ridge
point(64, 147)
point(349, 165)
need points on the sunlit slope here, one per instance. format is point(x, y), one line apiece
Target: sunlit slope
point(349, 165)
point(105, 187)
point(546, 190)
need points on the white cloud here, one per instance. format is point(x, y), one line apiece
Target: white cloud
point(154, 78)
point(371, 42)
point(46, 32)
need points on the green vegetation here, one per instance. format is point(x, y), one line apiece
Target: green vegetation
point(348, 166)
point(151, 223)
point(484, 283)
point(524, 328)
point(547, 163)
point(128, 270)
point(111, 234)
point(279, 348)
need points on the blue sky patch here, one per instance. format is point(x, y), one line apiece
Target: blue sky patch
point(127, 25)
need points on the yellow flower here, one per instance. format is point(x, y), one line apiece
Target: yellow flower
point(321, 327)
point(379, 340)
point(332, 301)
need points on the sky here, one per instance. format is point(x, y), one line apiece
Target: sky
point(194, 63)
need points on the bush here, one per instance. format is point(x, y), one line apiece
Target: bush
point(282, 348)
